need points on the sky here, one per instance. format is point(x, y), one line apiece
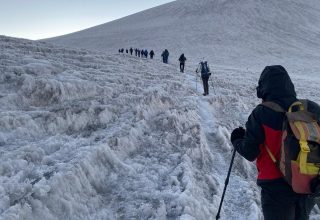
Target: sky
point(39, 19)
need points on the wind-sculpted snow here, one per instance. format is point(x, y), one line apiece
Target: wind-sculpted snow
point(88, 136)
point(84, 135)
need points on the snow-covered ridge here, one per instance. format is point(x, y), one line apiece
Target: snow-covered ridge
point(246, 33)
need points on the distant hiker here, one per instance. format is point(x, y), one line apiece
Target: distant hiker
point(127, 51)
point(204, 69)
point(122, 50)
point(119, 50)
point(142, 53)
point(146, 53)
point(151, 54)
point(136, 51)
point(165, 56)
point(131, 51)
point(182, 60)
point(139, 52)
point(265, 139)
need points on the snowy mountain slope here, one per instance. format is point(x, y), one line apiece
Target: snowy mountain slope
point(235, 33)
point(89, 136)
point(86, 135)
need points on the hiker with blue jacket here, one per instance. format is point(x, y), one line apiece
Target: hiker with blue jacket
point(263, 141)
point(204, 69)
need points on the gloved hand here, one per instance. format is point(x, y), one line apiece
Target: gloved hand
point(237, 133)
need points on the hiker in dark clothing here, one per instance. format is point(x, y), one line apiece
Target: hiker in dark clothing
point(131, 51)
point(142, 53)
point(182, 60)
point(165, 56)
point(146, 53)
point(151, 54)
point(136, 51)
point(204, 69)
point(263, 138)
point(122, 50)
point(127, 51)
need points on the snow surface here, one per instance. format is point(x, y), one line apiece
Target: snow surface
point(86, 135)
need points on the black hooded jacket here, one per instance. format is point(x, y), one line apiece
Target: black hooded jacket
point(265, 125)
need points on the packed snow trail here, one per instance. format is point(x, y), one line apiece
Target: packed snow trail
point(219, 112)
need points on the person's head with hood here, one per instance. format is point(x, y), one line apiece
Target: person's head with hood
point(275, 85)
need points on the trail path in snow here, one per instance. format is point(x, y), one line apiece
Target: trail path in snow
point(222, 110)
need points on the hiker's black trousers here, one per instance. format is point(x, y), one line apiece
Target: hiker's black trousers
point(181, 67)
point(280, 202)
point(205, 80)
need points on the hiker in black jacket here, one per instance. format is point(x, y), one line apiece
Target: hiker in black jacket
point(165, 56)
point(131, 51)
point(182, 60)
point(204, 69)
point(264, 129)
point(151, 54)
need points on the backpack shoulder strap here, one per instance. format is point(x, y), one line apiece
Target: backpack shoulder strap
point(274, 106)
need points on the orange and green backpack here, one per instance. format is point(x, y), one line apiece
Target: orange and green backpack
point(300, 149)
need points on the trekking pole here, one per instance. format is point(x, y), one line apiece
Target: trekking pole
point(196, 83)
point(226, 184)
point(212, 86)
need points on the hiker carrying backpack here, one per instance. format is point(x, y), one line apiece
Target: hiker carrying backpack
point(204, 69)
point(282, 134)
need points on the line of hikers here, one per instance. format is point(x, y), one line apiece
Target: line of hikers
point(202, 68)
point(282, 135)
point(138, 52)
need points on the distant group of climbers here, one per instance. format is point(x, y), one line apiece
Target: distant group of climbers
point(138, 52)
point(203, 67)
